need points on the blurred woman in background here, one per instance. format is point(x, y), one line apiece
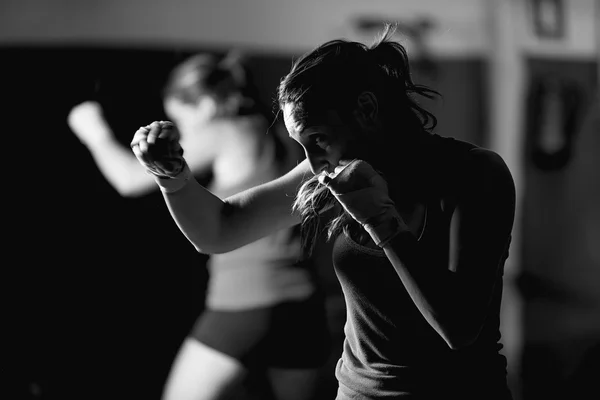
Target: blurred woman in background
point(265, 317)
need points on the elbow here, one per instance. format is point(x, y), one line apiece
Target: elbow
point(207, 248)
point(461, 329)
point(459, 332)
point(216, 246)
point(457, 342)
point(203, 250)
point(210, 249)
point(461, 337)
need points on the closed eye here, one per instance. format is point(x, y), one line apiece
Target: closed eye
point(320, 140)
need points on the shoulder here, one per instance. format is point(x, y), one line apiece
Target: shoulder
point(487, 166)
point(469, 173)
point(487, 183)
point(468, 161)
point(485, 157)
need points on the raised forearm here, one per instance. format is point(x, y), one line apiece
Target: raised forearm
point(219, 226)
point(198, 213)
point(438, 293)
point(120, 168)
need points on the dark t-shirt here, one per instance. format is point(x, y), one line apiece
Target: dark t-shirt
point(390, 349)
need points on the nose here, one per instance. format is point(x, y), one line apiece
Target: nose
point(317, 163)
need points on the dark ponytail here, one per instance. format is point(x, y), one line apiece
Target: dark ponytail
point(391, 58)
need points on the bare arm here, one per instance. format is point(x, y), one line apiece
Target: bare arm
point(120, 169)
point(116, 162)
point(454, 300)
point(216, 226)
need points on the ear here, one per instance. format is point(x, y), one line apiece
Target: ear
point(366, 109)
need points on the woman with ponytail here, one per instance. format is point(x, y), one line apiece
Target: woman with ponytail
point(421, 223)
point(264, 329)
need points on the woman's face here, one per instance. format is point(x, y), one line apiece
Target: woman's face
point(326, 146)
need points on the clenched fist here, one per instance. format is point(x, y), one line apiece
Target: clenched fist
point(364, 195)
point(157, 148)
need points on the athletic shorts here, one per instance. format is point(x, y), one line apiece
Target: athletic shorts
point(292, 334)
